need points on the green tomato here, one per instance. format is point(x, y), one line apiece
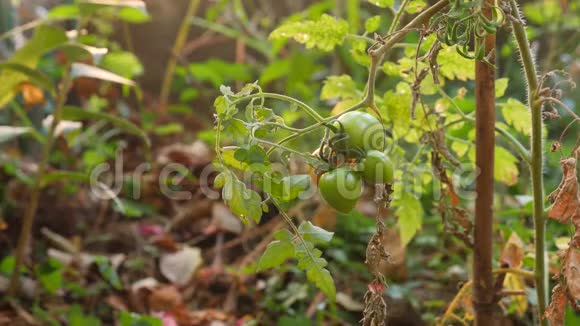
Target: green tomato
point(341, 188)
point(377, 168)
point(365, 132)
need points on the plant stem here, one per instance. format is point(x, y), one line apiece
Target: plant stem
point(30, 213)
point(483, 295)
point(398, 15)
point(310, 111)
point(455, 302)
point(175, 52)
point(537, 159)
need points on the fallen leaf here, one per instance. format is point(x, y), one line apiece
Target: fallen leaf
point(180, 266)
point(225, 220)
point(348, 302)
point(165, 298)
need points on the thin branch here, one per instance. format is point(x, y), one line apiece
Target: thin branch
point(28, 219)
point(175, 52)
point(537, 160)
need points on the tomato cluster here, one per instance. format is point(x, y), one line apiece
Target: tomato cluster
point(341, 186)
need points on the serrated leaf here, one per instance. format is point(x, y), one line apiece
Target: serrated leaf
point(244, 202)
point(505, 165)
point(84, 70)
point(517, 115)
point(288, 188)
point(314, 234)
point(501, 86)
point(283, 234)
point(322, 278)
point(276, 253)
point(338, 87)
point(454, 66)
point(372, 24)
point(324, 34)
point(382, 3)
point(410, 216)
point(398, 105)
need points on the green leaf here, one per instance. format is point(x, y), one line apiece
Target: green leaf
point(50, 275)
point(244, 202)
point(324, 34)
point(358, 51)
point(64, 11)
point(275, 70)
point(310, 261)
point(415, 6)
point(313, 233)
point(76, 317)
point(84, 70)
point(410, 214)
point(133, 319)
point(64, 175)
point(372, 24)
point(517, 115)
point(288, 188)
point(501, 86)
point(78, 114)
point(122, 63)
point(34, 76)
point(338, 87)
point(168, 129)
point(218, 71)
point(133, 209)
point(505, 165)
point(276, 253)
point(398, 106)
point(45, 39)
point(133, 15)
point(382, 3)
point(108, 272)
point(283, 235)
point(454, 66)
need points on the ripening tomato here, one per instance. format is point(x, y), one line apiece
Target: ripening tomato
point(377, 168)
point(365, 132)
point(341, 188)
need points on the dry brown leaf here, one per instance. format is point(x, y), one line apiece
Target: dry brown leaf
point(566, 198)
point(165, 298)
point(557, 309)
point(513, 252)
point(571, 272)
